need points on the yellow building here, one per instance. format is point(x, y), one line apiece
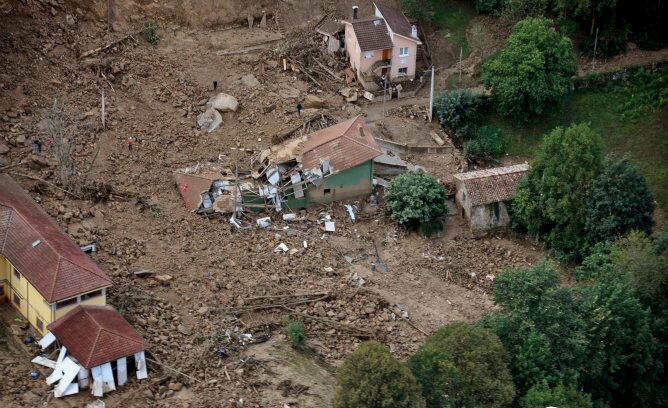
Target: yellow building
point(43, 274)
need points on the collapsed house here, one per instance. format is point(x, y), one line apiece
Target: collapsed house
point(482, 194)
point(332, 32)
point(43, 273)
point(95, 343)
point(331, 164)
point(55, 286)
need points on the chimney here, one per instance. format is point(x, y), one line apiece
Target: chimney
point(355, 8)
point(359, 129)
point(414, 32)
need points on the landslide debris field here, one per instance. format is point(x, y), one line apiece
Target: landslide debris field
point(209, 285)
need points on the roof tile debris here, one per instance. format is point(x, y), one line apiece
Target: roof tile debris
point(492, 185)
point(372, 34)
point(40, 250)
point(95, 335)
point(396, 20)
point(346, 144)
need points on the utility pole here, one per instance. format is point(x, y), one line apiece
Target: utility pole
point(384, 95)
point(431, 95)
point(593, 58)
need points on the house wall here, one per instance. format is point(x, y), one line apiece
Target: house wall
point(489, 216)
point(403, 62)
point(4, 279)
point(358, 59)
point(32, 305)
point(462, 199)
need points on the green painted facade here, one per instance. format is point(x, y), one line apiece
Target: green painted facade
point(354, 182)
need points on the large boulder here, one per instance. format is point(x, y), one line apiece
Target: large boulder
point(4, 149)
point(313, 101)
point(223, 103)
point(250, 81)
point(209, 120)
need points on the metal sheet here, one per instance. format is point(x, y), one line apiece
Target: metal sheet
point(97, 389)
point(47, 340)
point(57, 373)
point(296, 179)
point(70, 371)
point(140, 363)
point(43, 361)
point(122, 370)
point(71, 389)
point(83, 377)
point(108, 383)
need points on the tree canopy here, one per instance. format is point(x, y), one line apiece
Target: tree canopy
point(551, 200)
point(416, 197)
point(620, 201)
point(533, 72)
point(371, 378)
point(462, 365)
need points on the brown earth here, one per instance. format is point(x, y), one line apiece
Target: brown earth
point(155, 93)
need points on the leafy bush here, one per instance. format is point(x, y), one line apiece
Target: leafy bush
point(463, 365)
point(533, 73)
point(295, 330)
point(610, 42)
point(371, 378)
point(421, 9)
point(487, 143)
point(648, 93)
point(416, 197)
point(620, 201)
point(516, 10)
point(552, 200)
point(542, 395)
point(489, 6)
point(459, 111)
point(151, 32)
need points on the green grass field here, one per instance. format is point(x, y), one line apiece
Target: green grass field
point(451, 18)
point(644, 137)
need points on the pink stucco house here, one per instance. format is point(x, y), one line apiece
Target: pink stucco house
point(382, 46)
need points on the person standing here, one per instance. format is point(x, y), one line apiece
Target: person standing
point(299, 109)
point(215, 85)
point(37, 145)
point(131, 142)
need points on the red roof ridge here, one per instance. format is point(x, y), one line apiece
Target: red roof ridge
point(352, 138)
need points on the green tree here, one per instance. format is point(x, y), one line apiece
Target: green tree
point(533, 72)
point(462, 365)
point(416, 197)
point(551, 200)
point(421, 9)
point(487, 143)
point(542, 395)
point(540, 326)
point(459, 111)
point(371, 378)
point(620, 201)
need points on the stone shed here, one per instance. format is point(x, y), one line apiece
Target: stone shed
point(482, 194)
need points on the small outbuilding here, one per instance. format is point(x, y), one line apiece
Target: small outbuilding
point(482, 195)
point(332, 34)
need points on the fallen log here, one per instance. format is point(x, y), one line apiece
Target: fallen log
point(328, 70)
point(250, 308)
point(354, 331)
point(111, 44)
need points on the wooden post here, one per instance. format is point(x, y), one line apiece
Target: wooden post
point(104, 110)
point(431, 95)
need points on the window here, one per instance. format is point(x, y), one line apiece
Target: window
point(17, 275)
point(328, 191)
point(91, 295)
point(66, 303)
point(40, 324)
point(403, 71)
point(368, 55)
point(403, 52)
point(17, 300)
point(2, 290)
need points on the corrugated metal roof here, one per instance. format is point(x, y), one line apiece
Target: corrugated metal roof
point(330, 27)
point(95, 335)
point(40, 250)
point(492, 185)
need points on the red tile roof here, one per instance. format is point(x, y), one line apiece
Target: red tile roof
point(346, 144)
point(396, 20)
point(492, 185)
point(95, 335)
point(372, 34)
point(40, 250)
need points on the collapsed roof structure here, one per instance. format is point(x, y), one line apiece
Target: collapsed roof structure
point(330, 164)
